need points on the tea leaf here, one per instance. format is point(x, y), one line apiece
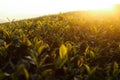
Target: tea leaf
point(29, 42)
point(63, 51)
point(60, 62)
point(93, 70)
point(26, 73)
point(88, 69)
point(40, 49)
point(92, 55)
point(80, 62)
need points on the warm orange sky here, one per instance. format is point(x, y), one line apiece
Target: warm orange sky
point(19, 9)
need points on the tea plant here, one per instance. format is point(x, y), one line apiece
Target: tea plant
point(67, 46)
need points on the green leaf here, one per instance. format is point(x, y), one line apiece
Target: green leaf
point(86, 51)
point(60, 62)
point(62, 51)
point(26, 73)
point(40, 49)
point(63, 56)
point(92, 55)
point(80, 62)
point(38, 44)
point(39, 23)
point(28, 42)
point(88, 69)
point(93, 70)
point(34, 59)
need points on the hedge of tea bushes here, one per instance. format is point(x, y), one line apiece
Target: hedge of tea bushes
point(69, 46)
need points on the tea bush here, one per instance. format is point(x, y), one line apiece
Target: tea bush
point(67, 46)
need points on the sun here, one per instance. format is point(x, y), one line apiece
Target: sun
point(97, 5)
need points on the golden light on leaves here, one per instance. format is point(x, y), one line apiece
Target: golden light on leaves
point(80, 61)
point(62, 51)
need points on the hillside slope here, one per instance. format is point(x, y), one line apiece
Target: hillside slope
point(67, 46)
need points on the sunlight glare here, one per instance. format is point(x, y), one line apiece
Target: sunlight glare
point(19, 9)
point(97, 5)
